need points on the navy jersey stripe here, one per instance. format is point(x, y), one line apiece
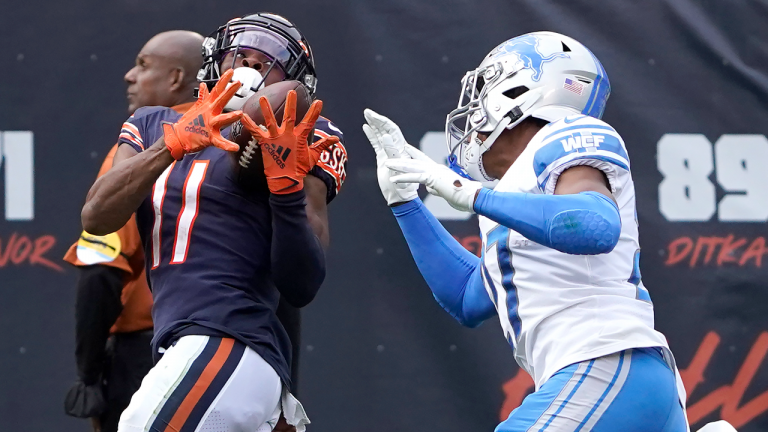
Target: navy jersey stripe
point(218, 383)
point(170, 406)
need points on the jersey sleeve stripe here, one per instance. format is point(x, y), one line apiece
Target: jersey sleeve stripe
point(598, 155)
point(125, 138)
point(321, 134)
point(325, 167)
point(132, 128)
point(334, 128)
point(128, 137)
point(602, 162)
point(132, 135)
point(575, 145)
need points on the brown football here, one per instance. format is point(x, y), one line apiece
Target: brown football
point(248, 165)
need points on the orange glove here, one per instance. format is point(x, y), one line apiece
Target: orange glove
point(287, 157)
point(200, 127)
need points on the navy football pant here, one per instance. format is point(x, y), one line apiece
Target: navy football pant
point(630, 391)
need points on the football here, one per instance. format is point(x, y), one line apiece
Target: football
point(248, 165)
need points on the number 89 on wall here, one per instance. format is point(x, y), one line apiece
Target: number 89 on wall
point(740, 164)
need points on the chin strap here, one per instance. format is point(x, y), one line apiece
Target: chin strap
point(505, 121)
point(458, 169)
point(486, 145)
point(512, 116)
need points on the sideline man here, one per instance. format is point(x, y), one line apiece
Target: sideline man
point(112, 292)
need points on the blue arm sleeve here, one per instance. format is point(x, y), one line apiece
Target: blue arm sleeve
point(587, 223)
point(452, 272)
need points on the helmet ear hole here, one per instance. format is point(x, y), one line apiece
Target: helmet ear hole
point(516, 92)
point(479, 84)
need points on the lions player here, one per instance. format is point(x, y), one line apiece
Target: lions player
point(560, 249)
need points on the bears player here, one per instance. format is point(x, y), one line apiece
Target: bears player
point(249, 45)
point(218, 256)
point(560, 251)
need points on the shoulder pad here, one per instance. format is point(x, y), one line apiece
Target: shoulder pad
point(327, 126)
point(576, 140)
point(138, 127)
point(148, 111)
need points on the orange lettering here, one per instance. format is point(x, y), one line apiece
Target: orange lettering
point(678, 250)
point(727, 397)
point(727, 249)
point(21, 250)
point(43, 245)
point(756, 250)
point(8, 247)
point(694, 374)
point(711, 243)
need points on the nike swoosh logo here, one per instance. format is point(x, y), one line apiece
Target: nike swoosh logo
point(573, 120)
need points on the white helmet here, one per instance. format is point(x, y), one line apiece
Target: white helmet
point(543, 74)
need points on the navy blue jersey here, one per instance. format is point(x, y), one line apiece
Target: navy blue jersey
point(207, 244)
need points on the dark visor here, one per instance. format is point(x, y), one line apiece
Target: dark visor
point(268, 43)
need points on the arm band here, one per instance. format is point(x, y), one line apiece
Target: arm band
point(452, 272)
point(587, 223)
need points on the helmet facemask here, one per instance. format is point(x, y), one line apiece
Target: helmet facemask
point(473, 115)
point(270, 35)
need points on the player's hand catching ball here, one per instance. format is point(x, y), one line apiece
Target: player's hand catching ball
point(200, 127)
point(287, 156)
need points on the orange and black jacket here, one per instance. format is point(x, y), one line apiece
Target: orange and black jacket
point(113, 296)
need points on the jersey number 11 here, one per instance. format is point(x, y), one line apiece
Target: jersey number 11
point(187, 216)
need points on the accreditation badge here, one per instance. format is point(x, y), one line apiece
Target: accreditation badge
point(92, 249)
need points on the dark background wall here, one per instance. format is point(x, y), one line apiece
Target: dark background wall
point(379, 353)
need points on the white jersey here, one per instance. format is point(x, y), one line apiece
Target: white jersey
point(557, 309)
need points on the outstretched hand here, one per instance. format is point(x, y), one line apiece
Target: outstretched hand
point(389, 143)
point(287, 156)
point(439, 179)
point(200, 127)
